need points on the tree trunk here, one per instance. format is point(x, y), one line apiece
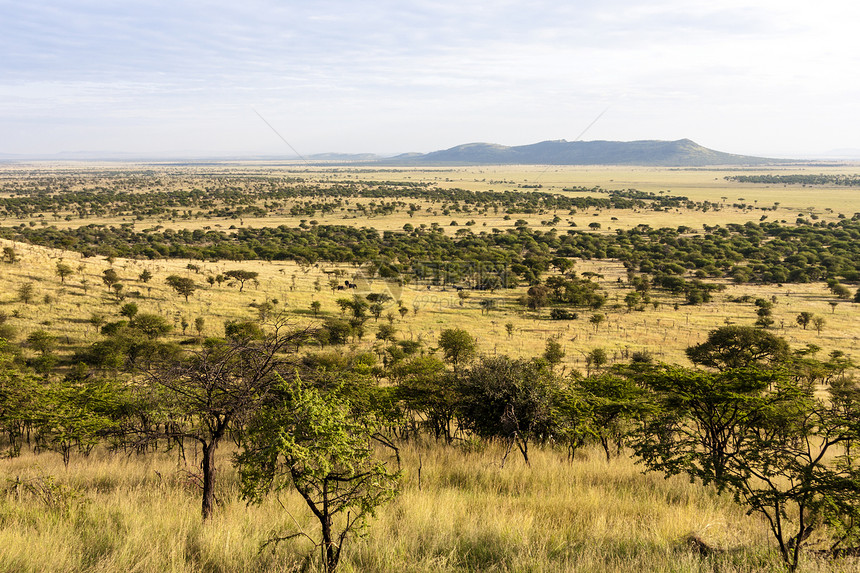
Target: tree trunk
point(604, 442)
point(208, 478)
point(523, 445)
point(330, 555)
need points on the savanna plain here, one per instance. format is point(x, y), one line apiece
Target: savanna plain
point(289, 367)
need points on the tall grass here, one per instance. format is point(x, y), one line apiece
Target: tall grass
point(111, 512)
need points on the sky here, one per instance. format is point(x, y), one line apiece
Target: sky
point(187, 78)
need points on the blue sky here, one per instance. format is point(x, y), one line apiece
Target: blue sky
point(184, 78)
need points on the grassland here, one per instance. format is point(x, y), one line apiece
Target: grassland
point(116, 513)
point(140, 513)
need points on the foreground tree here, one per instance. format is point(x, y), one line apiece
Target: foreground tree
point(770, 440)
point(699, 419)
point(427, 393)
point(613, 404)
point(19, 399)
point(512, 400)
point(315, 444)
point(201, 395)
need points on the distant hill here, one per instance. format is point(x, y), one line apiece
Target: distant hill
point(681, 153)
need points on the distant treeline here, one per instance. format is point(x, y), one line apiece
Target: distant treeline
point(258, 197)
point(751, 252)
point(821, 179)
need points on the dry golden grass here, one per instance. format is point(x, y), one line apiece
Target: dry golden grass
point(141, 513)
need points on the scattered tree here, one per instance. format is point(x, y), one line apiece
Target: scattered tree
point(241, 276)
point(26, 292)
point(184, 286)
point(457, 345)
point(64, 270)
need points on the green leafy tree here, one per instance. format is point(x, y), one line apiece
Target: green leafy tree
point(513, 400)
point(803, 319)
point(144, 276)
point(151, 325)
point(769, 440)
point(117, 291)
point(128, 310)
point(26, 292)
point(613, 403)
point(818, 323)
point(537, 297)
point(63, 270)
point(110, 278)
point(241, 276)
point(313, 444)
point(595, 359)
point(738, 346)
point(376, 309)
point(553, 352)
point(700, 418)
point(457, 345)
point(42, 341)
point(243, 331)
point(19, 399)
point(184, 286)
point(764, 311)
point(76, 416)
point(425, 390)
point(387, 332)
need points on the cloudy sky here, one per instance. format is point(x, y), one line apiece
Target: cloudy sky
point(189, 78)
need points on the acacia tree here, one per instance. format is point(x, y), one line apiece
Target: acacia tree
point(19, 401)
point(183, 286)
point(738, 346)
point(458, 346)
point(804, 318)
point(768, 439)
point(425, 390)
point(203, 394)
point(699, 418)
point(317, 445)
point(613, 403)
point(241, 276)
point(63, 270)
point(818, 323)
point(25, 292)
point(514, 400)
point(110, 277)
